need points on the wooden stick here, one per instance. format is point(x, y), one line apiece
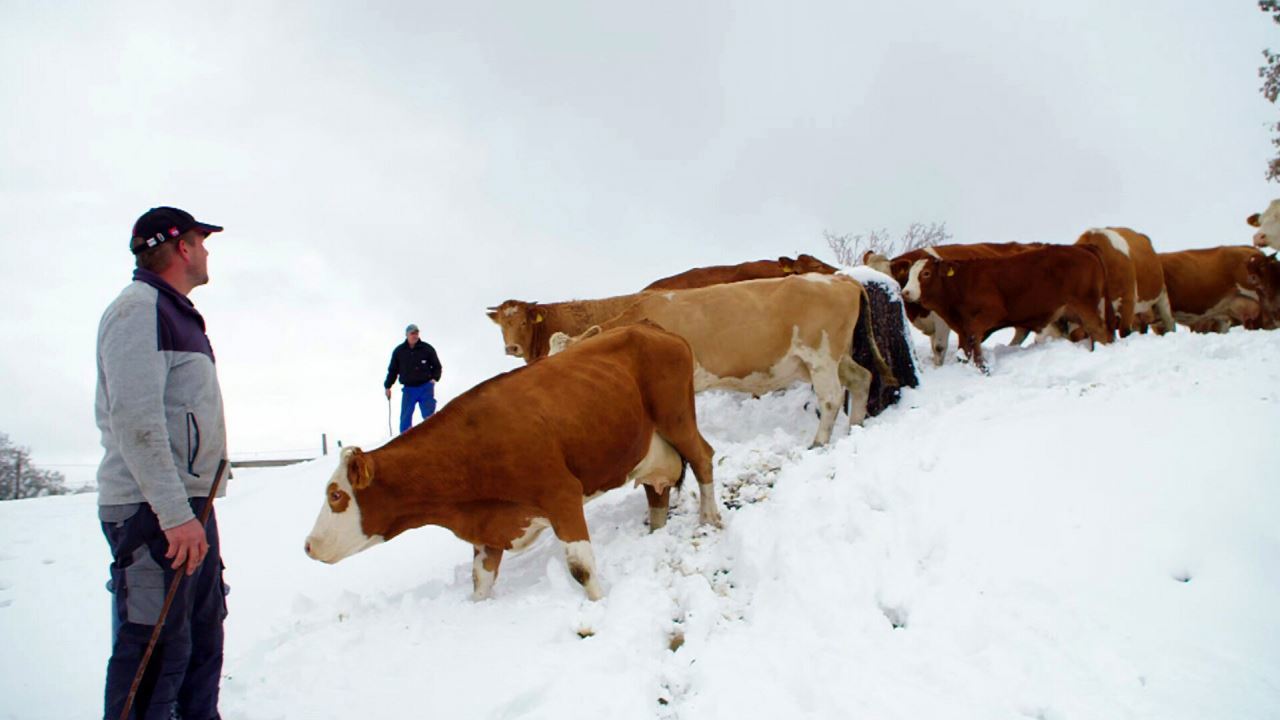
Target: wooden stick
point(168, 599)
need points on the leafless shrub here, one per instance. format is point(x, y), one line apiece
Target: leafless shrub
point(849, 249)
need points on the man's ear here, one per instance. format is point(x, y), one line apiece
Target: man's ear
point(359, 469)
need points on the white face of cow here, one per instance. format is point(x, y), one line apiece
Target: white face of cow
point(1268, 224)
point(337, 533)
point(911, 292)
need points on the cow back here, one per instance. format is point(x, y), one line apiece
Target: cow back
point(1197, 280)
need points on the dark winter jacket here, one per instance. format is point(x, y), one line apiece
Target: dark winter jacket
point(415, 365)
point(159, 405)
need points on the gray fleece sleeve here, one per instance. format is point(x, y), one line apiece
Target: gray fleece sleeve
point(136, 372)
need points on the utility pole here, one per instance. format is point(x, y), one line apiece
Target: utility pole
point(324, 443)
point(17, 477)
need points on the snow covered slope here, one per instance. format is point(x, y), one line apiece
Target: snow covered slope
point(1080, 535)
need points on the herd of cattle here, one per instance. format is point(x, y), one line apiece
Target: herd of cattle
point(607, 394)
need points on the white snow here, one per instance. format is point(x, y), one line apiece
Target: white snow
point(1079, 535)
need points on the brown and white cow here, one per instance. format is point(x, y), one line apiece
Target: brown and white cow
point(1211, 289)
point(757, 270)
point(755, 336)
point(1268, 224)
point(930, 323)
point(522, 452)
point(1135, 278)
point(1030, 289)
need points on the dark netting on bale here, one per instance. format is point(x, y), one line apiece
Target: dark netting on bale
point(888, 327)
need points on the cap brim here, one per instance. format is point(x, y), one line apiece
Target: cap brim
point(208, 228)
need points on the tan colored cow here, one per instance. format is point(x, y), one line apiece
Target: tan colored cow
point(1211, 289)
point(755, 336)
point(1135, 278)
point(522, 451)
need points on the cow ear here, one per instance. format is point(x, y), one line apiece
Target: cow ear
point(537, 318)
point(359, 470)
point(493, 314)
point(1253, 220)
point(948, 269)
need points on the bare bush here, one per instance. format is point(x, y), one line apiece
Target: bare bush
point(849, 248)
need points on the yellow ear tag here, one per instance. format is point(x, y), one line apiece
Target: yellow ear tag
point(951, 271)
point(538, 319)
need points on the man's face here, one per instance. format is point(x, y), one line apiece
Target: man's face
point(412, 337)
point(197, 259)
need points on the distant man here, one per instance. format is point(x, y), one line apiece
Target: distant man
point(159, 408)
point(416, 363)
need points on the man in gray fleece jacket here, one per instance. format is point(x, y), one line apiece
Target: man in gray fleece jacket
point(159, 408)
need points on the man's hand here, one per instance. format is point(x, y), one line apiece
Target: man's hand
point(388, 393)
point(187, 545)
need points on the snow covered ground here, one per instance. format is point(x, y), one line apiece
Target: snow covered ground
point(1080, 535)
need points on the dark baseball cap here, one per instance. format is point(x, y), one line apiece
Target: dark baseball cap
point(161, 224)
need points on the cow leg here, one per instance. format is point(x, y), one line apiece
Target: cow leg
point(570, 525)
point(1093, 323)
point(659, 504)
point(680, 431)
point(582, 566)
point(857, 382)
point(1244, 310)
point(824, 375)
point(971, 344)
point(1164, 314)
point(484, 570)
point(1019, 337)
point(939, 339)
point(1124, 313)
point(661, 468)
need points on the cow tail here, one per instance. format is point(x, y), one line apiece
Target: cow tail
point(1108, 303)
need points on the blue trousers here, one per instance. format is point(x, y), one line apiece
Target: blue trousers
point(423, 396)
point(186, 665)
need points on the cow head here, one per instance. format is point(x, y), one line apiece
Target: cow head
point(899, 269)
point(809, 263)
point(1264, 276)
point(562, 341)
point(925, 278)
point(517, 320)
point(877, 262)
point(341, 530)
point(1268, 224)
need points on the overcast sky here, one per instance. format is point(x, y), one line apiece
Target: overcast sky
point(416, 162)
